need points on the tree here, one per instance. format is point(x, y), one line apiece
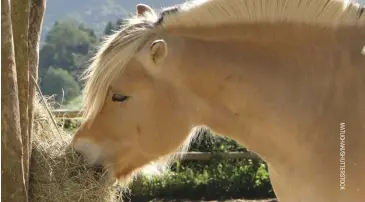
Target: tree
point(109, 28)
point(58, 81)
point(21, 23)
point(68, 46)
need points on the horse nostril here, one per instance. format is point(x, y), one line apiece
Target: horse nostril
point(88, 149)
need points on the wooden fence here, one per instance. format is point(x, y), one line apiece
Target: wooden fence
point(197, 156)
point(64, 113)
point(206, 156)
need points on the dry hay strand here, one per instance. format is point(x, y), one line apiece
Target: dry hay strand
point(58, 173)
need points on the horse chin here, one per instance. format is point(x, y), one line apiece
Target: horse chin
point(105, 176)
point(112, 173)
point(119, 178)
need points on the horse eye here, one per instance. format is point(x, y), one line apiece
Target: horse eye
point(119, 98)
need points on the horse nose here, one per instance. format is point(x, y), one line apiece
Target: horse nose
point(89, 150)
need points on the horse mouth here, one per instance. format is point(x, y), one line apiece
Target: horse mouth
point(95, 168)
point(100, 172)
point(104, 171)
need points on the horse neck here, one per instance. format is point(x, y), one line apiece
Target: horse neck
point(253, 86)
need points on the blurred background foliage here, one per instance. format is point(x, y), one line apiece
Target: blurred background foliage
point(63, 57)
point(208, 180)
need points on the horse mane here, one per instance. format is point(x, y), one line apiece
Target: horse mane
point(117, 49)
point(328, 13)
point(110, 59)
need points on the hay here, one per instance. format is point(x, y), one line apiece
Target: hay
point(58, 173)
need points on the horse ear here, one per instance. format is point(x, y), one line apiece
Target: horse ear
point(158, 51)
point(143, 8)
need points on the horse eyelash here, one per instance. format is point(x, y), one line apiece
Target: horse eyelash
point(119, 98)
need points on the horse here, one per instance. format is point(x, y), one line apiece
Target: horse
point(284, 78)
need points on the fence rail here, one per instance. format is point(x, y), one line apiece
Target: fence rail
point(206, 156)
point(65, 113)
point(194, 156)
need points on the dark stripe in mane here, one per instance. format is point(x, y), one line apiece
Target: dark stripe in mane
point(361, 10)
point(166, 11)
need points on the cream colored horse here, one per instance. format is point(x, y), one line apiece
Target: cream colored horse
point(284, 78)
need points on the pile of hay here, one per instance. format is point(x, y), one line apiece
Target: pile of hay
point(60, 174)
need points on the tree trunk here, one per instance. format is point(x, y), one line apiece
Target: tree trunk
point(20, 25)
point(12, 170)
point(37, 8)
